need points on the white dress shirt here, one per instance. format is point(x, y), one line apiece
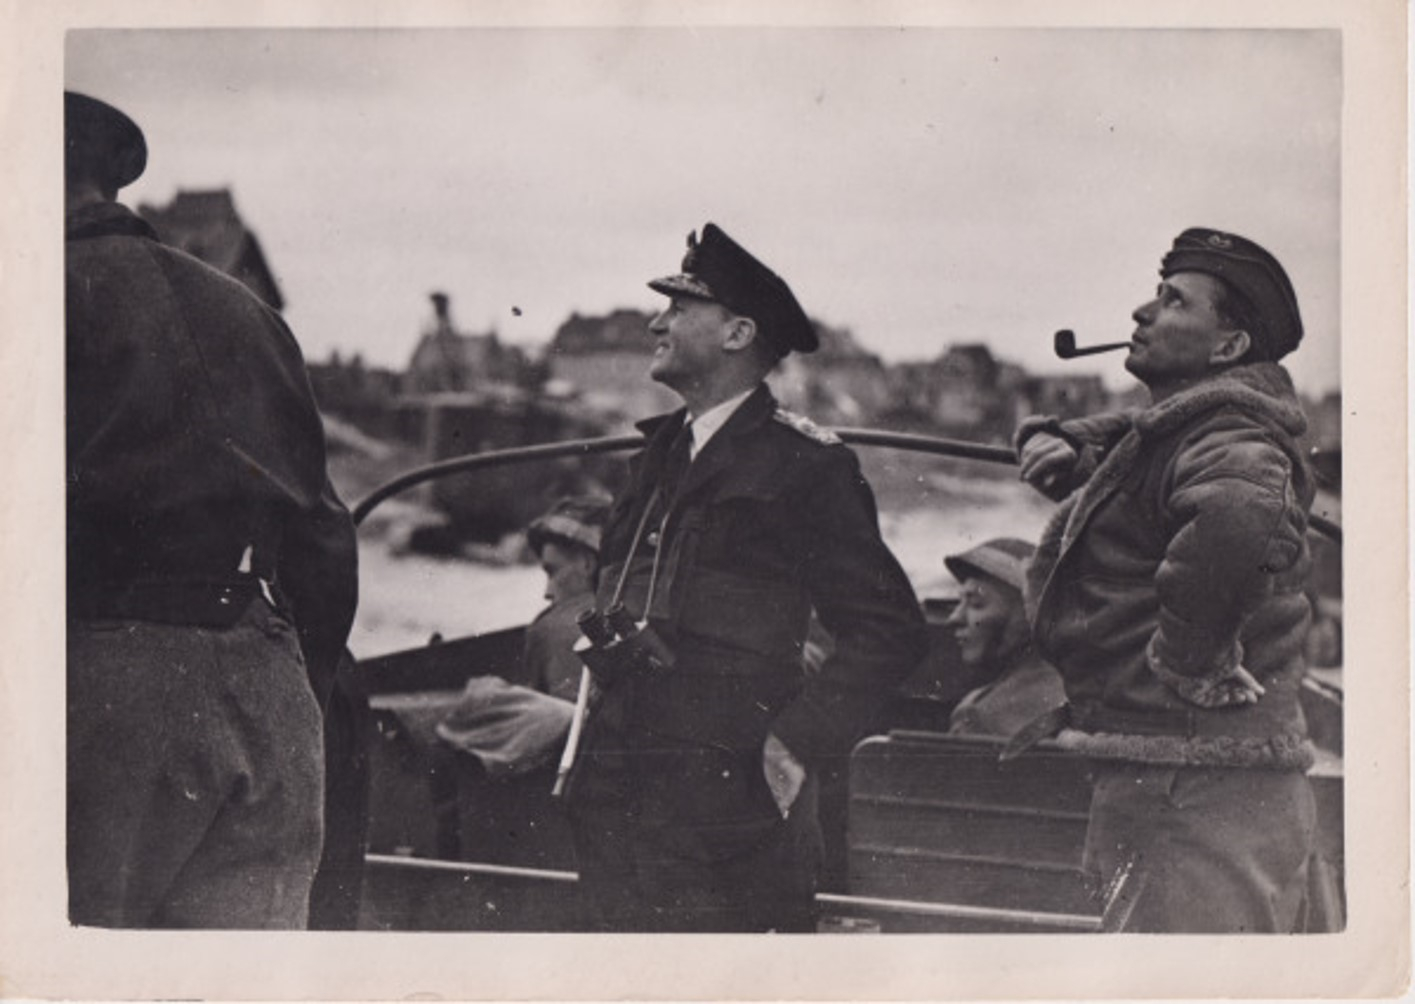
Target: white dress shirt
point(705, 426)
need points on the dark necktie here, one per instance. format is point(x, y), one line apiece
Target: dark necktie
point(676, 464)
point(670, 477)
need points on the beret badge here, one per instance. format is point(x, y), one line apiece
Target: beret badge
point(1220, 241)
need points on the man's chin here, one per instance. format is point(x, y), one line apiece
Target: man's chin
point(661, 372)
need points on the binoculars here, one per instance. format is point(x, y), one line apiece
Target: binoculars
point(615, 645)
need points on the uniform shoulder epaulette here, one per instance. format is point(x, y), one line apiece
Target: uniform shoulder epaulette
point(806, 427)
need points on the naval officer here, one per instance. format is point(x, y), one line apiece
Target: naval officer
point(693, 799)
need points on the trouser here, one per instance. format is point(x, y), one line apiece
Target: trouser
point(1202, 850)
point(689, 840)
point(338, 884)
point(195, 774)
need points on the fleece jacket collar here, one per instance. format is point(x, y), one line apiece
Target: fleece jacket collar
point(1264, 389)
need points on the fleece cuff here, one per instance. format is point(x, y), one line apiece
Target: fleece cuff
point(1202, 690)
point(1280, 752)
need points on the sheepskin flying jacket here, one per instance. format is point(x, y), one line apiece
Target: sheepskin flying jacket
point(1180, 551)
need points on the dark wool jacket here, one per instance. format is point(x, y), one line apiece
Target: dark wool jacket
point(1182, 553)
point(773, 520)
point(192, 434)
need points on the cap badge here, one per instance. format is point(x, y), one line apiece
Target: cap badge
point(690, 260)
point(1220, 241)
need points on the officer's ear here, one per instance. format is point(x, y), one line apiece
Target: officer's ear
point(1231, 347)
point(741, 333)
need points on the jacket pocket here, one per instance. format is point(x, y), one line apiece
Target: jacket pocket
point(709, 803)
point(765, 617)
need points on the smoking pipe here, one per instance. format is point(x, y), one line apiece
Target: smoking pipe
point(1065, 345)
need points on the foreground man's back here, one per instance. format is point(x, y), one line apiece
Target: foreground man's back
point(211, 574)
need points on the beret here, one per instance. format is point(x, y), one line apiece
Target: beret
point(101, 142)
point(1004, 559)
point(717, 268)
point(1250, 270)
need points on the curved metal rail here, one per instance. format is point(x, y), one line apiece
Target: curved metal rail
point(491, 458)
point(936, 445)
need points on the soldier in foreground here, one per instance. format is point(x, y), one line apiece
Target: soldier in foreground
point(1169, 591)
point(693, 796)
point(211, 574)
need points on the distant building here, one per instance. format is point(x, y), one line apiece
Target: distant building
point(447, 360)
point(966, 396)
point(361, 395)
point(911, 386)
point(964, 392)
point(968, 392)
point(205, 224)
point(604, 361)
point(838, 384)
point(1064, 396)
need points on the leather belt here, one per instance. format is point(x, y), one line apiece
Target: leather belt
point(1097, 718)
point(194, 603)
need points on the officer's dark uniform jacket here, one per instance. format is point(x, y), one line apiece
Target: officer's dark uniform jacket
point(192, 436)
point(772, 520)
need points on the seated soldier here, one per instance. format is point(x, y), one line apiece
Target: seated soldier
point(510, 728)
point(566, 541)
point(990, 624)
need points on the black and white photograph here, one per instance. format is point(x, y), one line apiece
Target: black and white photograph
point(887, 495)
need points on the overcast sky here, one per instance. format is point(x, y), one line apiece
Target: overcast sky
point(920, 187)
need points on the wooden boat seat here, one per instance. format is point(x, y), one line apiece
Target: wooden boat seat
point(943, 836)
